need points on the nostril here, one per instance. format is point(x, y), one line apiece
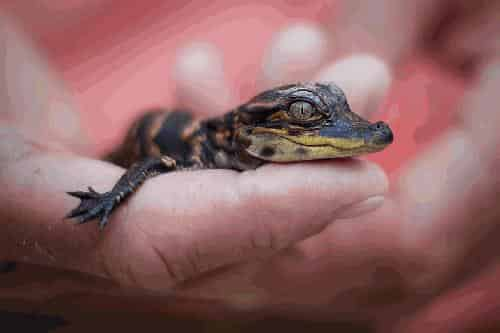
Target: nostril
point(383, 131)
point(380, 125)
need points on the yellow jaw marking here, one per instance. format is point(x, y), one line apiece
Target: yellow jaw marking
point(277, 146)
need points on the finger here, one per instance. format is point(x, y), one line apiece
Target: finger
point(351, 267)
point(181, 225)
point(450, 193)
point(178, 225)
point(33, 99)
point(364, 78)
point(294, 55)
point(200, 80)
point(33, 201)
point(188, 222)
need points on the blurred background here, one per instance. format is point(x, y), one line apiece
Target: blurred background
point(117, 56)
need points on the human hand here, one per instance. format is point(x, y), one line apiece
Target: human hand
point(180, 227)
point(382, 265)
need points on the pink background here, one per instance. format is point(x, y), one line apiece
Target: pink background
point(117, 56)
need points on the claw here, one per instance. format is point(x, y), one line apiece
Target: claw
point(84, 218)
point(91, 190)
point(74, 213)
point(103, 221)
point(93, 205)
point(80, 194)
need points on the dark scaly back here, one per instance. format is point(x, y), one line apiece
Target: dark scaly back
point(158, 132)
point(206, 144)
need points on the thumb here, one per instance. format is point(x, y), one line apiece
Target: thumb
point(188, 223)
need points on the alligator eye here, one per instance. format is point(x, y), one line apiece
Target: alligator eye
point(301, 110)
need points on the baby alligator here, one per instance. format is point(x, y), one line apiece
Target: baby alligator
point(298, 122)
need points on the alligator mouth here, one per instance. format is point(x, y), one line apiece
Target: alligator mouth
point(278, 146)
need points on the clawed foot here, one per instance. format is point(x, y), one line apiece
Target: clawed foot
point(93, 205)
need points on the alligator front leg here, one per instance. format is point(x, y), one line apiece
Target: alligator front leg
point(100, 205)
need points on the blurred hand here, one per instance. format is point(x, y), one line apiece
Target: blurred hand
point(438, 230)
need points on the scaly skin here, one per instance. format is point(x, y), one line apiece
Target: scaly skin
point(293, 123)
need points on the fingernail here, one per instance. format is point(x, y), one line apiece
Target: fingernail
point(360, 208)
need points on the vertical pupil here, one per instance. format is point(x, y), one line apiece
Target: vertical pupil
point(301, 110)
